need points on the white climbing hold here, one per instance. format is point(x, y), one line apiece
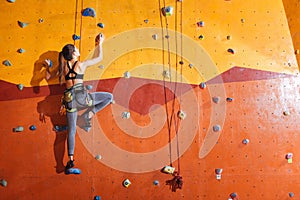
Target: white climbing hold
point(3, 183)
point(155, 37)
point(166, 74)
point(181, 115)
point(98, 157)
point(101, 66)
point(126, 183)
point(127, 74)
point(126, 115)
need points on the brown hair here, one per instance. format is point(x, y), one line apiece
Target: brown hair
point(65, 54)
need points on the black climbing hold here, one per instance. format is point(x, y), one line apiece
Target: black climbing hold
point(228, 99)
point(89, 12)
point(230, 51)
point(181, 62)
point(201, 37)
point(101, 25)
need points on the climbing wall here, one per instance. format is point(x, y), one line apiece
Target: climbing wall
point(206, 94)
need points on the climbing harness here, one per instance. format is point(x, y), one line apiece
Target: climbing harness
point(76, 95)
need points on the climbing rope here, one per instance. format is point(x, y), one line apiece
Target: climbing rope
point(171, 116)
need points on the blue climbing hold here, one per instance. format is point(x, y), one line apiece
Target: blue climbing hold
point(291, 194)
point(21, 50)
point(89, 87)
point(216, 128)
point(76, 37)
point(32, 127)
point(101, 25)
point(6, 63)
point(97, 198)
point(229, 99)
point(20, 87)
point(22, 24)
point(156, 182)
point(89, 12)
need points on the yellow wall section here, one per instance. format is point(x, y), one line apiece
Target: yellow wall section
point(261, 40)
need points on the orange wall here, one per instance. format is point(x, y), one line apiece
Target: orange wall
point(261, 77)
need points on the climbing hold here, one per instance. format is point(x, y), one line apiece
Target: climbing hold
point(126, 115)
point(297, 51)
point(291, 194)
point(156, 182)
point(181, 114)
point(169, 169)
point(32, 127)
point(18, 129)
point(230, 51)
point(20, 87)
point(101, 66)
point(146, 21)
point(167, 11)
point(286, 113)
point(155, 36)
point(181, 62)
point(218, 172)
point(166, 74)
point(22, 24)
point(89, 87)
point(49, 62)
point(216, 99)
point(6, 63)
point(98, 157)
point(167, 36)
point(126, 183)
point(243, 20)
point(289, 157)
point(97, 198)
point(101, 25)
point(245, 141)
point(201, 37)
point(41, 20)
point(3, 183)
point(233, 195)
point(127, 74)
point(75, 37)
point(88, 12)
point(58, 128)
point(228, 99)
point(228, 37)
point(21, 50)
point(216, 128)
point(11, 1)
point(200, 24)
point(202, 85)
point(191, 65)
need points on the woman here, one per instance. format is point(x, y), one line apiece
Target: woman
point(75, 96)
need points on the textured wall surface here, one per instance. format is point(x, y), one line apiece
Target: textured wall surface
point(244, 122)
